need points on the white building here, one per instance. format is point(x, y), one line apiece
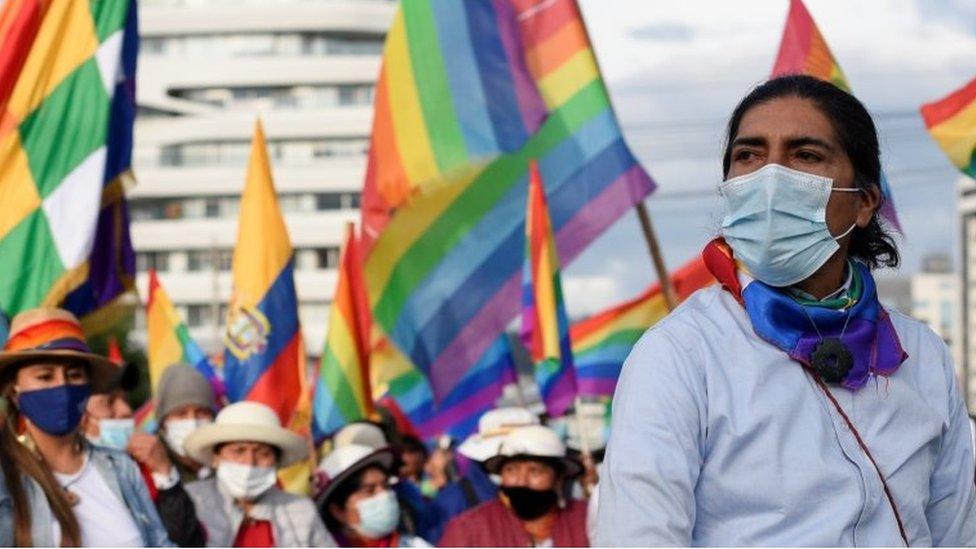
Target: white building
point(207, 70)
point(935, 300)
point(967, 301)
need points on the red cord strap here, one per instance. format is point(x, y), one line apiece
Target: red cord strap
point(864, 447)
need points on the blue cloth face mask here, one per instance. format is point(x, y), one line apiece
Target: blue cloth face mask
point(776, 223)
point(115, 433)
point(55, 410)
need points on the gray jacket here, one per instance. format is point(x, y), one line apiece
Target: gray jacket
point(123, 478)
point(294, 520)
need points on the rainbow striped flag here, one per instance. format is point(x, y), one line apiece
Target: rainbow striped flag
point(264, 356)
point(343, 393)
point(602, 342)
point(67, 104)
point(405, 390)
point(803, 50)
point(169, 341)
point(952, 123)
point(470, 92)
point(545, 327)
point(145, 417)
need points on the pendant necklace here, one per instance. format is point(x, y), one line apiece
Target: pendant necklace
point(73, 498)
point(831, 358)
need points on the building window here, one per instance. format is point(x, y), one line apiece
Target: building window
point(199, 315)
point(152, 260)
point(283, 151)
point(202, 260)
point(259, 44)
point(211, 207)
point(328, 201)
point(305, 96)
point(355, 94)
point(327, 258)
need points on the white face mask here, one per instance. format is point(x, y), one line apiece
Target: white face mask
point(175, 432)
point(776, 223)
point(245, 482)
point(378, 515)
point(114, 433)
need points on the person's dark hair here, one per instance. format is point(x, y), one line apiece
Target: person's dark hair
point(413, 444)
point(277, 451)
point(855, 129)
point(19, 463)
point(340, 496)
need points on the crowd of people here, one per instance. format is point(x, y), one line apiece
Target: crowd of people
point(77, 472)
point(783, 406)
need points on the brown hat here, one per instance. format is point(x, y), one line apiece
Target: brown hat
point(47, 333)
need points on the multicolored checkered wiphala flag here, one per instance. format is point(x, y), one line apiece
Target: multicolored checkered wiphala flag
point(67, 104)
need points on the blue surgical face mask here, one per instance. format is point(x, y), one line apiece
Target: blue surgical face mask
point(55, 410)
point(378, 515)
point(115, 433)
point(776, 223)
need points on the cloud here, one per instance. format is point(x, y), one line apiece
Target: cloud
point(664, 32)
point(586, 295)
point(673, 98)
point(958, 14)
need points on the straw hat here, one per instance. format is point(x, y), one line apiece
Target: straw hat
point(47, 333)
point(346, 461)
point(246, 422)
point(492, 428)
point(536, 442)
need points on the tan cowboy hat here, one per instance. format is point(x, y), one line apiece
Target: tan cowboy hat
point(534, 442)
point(47, 333)
point(345, 461)
point(246, 422)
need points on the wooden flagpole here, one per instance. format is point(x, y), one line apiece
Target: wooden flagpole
point(667, 288)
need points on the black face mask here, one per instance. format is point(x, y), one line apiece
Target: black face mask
point(529, 504)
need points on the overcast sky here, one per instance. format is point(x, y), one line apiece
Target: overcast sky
point(676, 70)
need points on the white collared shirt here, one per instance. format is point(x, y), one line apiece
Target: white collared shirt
point(718, 438)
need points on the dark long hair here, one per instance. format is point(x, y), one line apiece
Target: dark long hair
point(19, 464)
point(855, 129)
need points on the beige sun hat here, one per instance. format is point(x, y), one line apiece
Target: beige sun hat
point(492, 428)
point(537, 442)
point(345, 461)
point(246, 422)
point(362, 433)
point(48, 333)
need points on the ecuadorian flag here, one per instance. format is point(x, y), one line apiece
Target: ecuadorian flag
point(264, 356)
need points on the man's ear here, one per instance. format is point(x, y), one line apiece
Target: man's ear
point(870, 203)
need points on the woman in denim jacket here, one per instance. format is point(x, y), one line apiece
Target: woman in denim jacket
point(55, 488)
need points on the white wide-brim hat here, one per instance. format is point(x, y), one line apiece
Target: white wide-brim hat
point(363, 433)
point(493, 426)
point(534, 442)
point(345, 461)
point(246, 422)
